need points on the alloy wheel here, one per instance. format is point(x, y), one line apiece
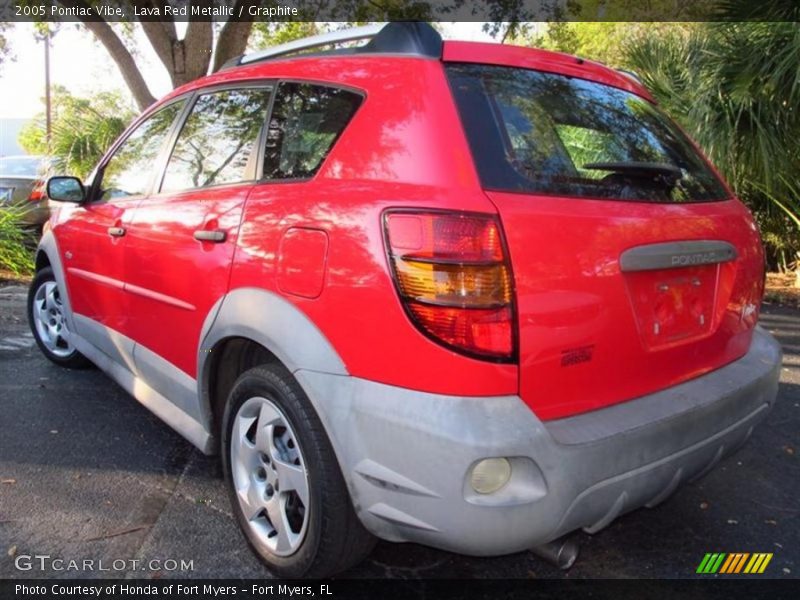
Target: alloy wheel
point(269, 476)
point(48, 317)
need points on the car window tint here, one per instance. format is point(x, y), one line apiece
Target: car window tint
point(217, 140)
point(129, 171)
point(306, 120)
point(586, 145)
point(545, 133)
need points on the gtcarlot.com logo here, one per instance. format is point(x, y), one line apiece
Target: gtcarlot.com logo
point(734, 563)
point(45, 562)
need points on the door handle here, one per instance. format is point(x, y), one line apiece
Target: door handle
point(210, 235)
point(116, 231)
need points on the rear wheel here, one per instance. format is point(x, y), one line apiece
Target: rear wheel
point(286, 489)
point(46, 316)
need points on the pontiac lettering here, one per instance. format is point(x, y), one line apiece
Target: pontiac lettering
point(700, 258)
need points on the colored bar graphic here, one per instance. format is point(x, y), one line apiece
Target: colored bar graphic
point(718, 563)
point(735, 560)
point(728, 564)
point(741, 562)
point(765, 563)
point(754, 564)
point(711, 563)
point(703, 564)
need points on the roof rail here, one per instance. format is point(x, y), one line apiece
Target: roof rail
point(631, 75)
point(399, 37)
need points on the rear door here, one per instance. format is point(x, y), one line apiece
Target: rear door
point(181, 239)
point(634, 267)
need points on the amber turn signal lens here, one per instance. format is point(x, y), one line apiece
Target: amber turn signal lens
point(454, 280)
point(475, 286)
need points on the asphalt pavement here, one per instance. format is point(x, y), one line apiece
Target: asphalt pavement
point(88, 474)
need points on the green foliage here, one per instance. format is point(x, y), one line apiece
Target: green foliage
point(638, 11)
point(82, 129)
point(736, 87)
point(15, 255)
point(273, 33)
point(604, 42)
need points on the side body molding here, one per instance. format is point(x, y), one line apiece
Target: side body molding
point(253, 313)
point(112, 352)
point(270, 320)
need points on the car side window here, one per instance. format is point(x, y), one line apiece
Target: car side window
point(305, 123)
point(129, 170)
point(217, 140)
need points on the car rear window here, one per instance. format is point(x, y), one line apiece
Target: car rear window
point(543, 133)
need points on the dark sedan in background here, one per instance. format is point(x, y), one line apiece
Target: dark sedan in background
point(22, 186)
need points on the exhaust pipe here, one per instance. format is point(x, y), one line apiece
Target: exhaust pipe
point(560, 553)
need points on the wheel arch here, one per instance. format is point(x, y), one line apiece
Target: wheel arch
point(252, 326)
point(42, 260)
point(48, 255)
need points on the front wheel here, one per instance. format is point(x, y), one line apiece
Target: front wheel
point(46, 316)
point(286, 488)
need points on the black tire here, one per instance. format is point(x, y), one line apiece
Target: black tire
point(65, 358)
point(335, 539)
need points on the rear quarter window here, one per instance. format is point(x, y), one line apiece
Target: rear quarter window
point(305, 123)
point(552, 134)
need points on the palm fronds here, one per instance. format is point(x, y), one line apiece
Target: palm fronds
point(15, 255)
point(736, 88)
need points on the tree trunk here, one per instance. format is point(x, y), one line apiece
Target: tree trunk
point(186, 59)
point(232, 42)
point(196, 47)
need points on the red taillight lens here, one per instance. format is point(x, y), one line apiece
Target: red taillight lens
point(452, 275)
point(39, 192)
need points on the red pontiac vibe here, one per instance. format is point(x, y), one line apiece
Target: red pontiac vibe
point(467, 295)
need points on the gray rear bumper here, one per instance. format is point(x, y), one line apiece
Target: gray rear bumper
point(406, 454)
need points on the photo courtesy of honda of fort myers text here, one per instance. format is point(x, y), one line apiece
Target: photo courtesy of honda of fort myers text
point(174, 590)
point(440, 299)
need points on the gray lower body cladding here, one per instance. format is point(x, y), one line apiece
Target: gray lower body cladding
point(406, 455)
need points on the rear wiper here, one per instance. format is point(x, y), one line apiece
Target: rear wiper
point(638, 169)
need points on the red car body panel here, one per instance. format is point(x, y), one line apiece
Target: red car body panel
point(586, 327)
point(405, 148)
point(174, 279)
point(95, 262)
point(402, 149)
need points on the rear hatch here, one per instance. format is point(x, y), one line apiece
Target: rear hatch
point(634, 268)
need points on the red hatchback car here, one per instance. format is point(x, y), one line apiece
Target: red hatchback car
point(468, 295)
